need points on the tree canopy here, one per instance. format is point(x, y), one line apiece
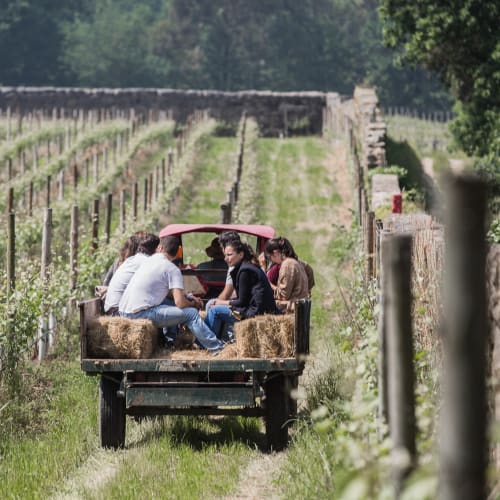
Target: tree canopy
point(460, 41)
point(217, 44)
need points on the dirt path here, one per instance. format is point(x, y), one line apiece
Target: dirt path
point(257, 479)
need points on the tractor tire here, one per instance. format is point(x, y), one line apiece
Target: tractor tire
point(277, 413)
point(112, 416)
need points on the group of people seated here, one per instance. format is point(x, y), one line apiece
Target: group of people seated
point(145, 282)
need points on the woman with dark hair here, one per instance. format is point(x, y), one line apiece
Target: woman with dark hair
point(293, 283)
point(128, 249)
point(254, 295)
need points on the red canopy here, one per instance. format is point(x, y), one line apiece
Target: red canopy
point(253, 229)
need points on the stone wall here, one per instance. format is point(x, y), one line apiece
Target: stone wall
point(276, 112)
point(370, 128)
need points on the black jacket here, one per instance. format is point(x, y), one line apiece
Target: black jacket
point(254, 294)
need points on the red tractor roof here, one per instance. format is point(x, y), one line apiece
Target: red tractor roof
point(253, 229)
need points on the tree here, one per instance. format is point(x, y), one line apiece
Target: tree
point(113, 46)
point(31, 40)
point(459, 40)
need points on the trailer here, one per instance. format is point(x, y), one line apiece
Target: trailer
point(251, 387)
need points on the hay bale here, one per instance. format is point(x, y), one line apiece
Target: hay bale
point(267, 336)
point(115, 337)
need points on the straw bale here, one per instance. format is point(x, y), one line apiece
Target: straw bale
point(116, 337)
point(267, 336)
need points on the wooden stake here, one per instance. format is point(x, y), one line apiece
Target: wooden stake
point(109, 208)
point(396, 255)
point(73, 246)
point(11, 253)
point(95, 226)
point(463, 444)
point(123, 212)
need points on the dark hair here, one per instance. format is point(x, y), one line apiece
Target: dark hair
point(282, 245)
point(170, 244)
point(131, 246)
point(227, 237)
point(148, 243)
point(248, 253)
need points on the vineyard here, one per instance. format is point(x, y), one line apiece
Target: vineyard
point(74, 187)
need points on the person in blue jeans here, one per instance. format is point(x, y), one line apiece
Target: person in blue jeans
point(254, 295)
point(146, 296)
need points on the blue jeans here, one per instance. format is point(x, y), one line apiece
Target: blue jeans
point(165, 315)
point(220, 320)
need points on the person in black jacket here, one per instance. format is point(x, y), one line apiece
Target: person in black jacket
point(254, 295)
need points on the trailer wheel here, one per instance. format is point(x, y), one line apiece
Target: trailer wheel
point(111, 414)
point(277, 413)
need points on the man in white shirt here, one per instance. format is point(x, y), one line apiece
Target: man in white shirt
point(146, 296)
point(123, 274)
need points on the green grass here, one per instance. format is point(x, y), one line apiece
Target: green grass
point(424, 136)
point(183, 458)
point(48, 431)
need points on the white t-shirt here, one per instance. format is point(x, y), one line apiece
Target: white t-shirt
point(121, 279)
point(150, 284)
point(229, 280)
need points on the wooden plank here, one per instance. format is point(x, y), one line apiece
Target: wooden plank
point(189, 396)
point(294, 365)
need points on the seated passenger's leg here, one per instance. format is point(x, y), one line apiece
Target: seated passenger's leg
point(217, 319)
point(201, 331)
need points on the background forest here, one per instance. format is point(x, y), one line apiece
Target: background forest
point(277, 45)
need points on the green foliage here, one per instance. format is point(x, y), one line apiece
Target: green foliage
point(19, 315)
point(391, 170)
point(488, 168)
point(494, 232)
point(112, 48)
point(224, 129)
point(401, 153)
point(461, 44)
point(32, 41)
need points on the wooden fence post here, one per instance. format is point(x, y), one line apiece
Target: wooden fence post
point(396, 255)
point(225, 210)
point(109, 210)
point(135, 195)
point(170, 161)
point(150, 192)
point(48, 190)
point(10, 200)
point(382, 335)
point(43, 330)
point(73, 246)
point(11, 253)
point(30, 199)
point(163, 176)
point(123, 212)
point(463, 443)
point(95, 226)
point(369, 246)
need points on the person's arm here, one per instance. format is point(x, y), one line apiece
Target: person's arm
point(182, 301)
point(226, 293)
point(244, 291)
point(286, 283)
